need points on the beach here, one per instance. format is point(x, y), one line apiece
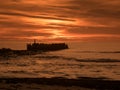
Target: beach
point(58, 84)
point(38, 87)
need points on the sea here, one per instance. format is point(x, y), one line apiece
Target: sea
point(82, 59)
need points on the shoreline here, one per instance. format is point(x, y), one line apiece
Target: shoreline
point(84, 82)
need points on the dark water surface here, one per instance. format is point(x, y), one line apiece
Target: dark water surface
point(78, 61)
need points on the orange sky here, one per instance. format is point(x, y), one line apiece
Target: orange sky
point(59, 20)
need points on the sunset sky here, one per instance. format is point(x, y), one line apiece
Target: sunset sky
point(59, 20)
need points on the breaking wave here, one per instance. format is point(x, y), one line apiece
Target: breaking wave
point(75, 59)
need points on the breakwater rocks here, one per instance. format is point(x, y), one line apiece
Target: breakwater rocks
point(46, 47)
point(34, 48)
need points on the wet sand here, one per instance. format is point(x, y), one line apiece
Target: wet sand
point(38, 87)
point(58, 84)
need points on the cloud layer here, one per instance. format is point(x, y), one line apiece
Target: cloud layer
point(59, 19)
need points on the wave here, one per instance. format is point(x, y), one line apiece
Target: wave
point(97, 51)
point(101, 60)
point(60, 57)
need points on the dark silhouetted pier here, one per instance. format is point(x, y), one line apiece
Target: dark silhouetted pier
point(34, 48)
point(46, 47)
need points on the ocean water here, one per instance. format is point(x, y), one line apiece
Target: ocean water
point(96, 60)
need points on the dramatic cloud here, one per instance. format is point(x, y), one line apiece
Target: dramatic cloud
point(59, 19)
